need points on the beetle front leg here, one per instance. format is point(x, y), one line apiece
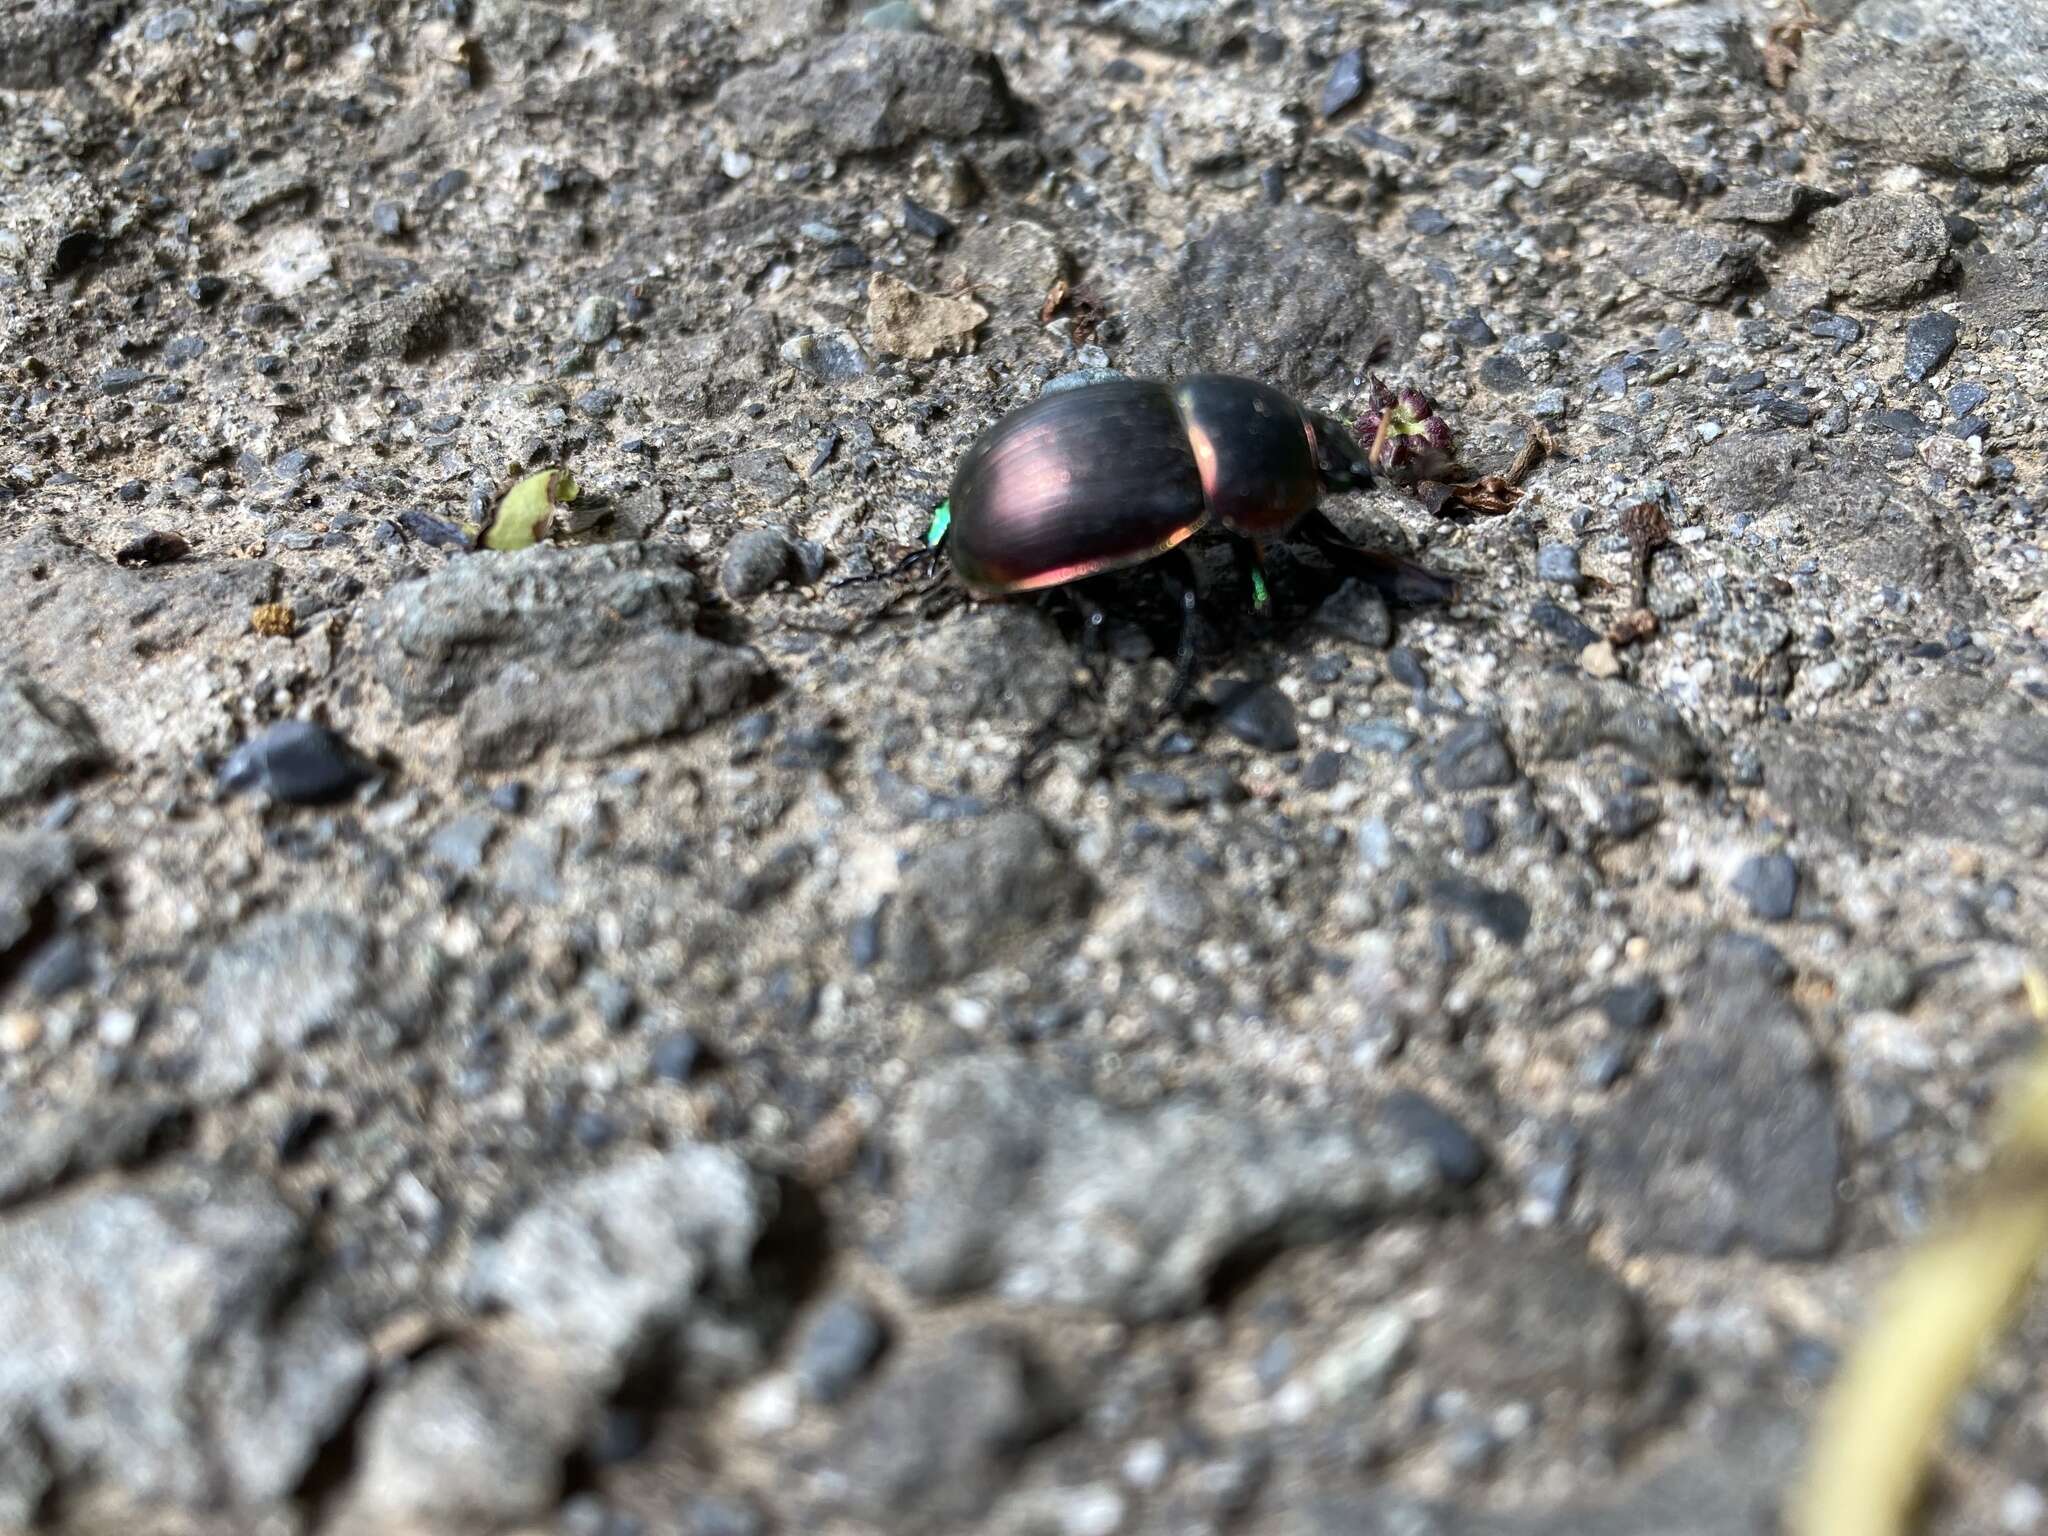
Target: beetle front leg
point(1401, 582)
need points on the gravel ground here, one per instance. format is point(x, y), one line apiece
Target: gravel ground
point(596, 1040)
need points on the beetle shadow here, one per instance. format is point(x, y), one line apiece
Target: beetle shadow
point(1228, 623)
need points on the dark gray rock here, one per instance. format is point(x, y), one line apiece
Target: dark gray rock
point(1644, 169)
point(1282, 295)
point(1554, 715)
point(284, 982)
point(1633, 1006)
point(942, 1434)
point(472, 1437)
point(585, 650)
point(1524, 1315)
point(655, 1250)
point(1929, 341)
point(865, 92)
point(973, 898)
point(296, 762)
point(836, 1345)
point(1690, 264)
point(1346, 82)
point(1881, 249)
point(1727, 1136)
point(1474, 756)
point(1257, 714)
point(160, 1344)
point(1768, 884)
point(1012, 1181)
point(1501, 913)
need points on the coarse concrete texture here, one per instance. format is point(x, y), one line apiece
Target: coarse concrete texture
point(647, 1036)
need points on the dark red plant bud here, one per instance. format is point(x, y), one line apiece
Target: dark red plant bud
point(1409, 440)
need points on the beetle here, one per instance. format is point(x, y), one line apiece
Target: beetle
point(1124, 471)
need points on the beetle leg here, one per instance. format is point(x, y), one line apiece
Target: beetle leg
point(1094, 640)
point(1402, 582)
point(1179, 573)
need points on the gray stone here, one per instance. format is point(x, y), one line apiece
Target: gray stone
point(1015, 1182)
point(1179, 26)
point(405, 327)
point(1523, 1315)
point(865, 92)
point(1929, 341)
point(584, 650)
point(45, 1150)
point(1727, 1136)
point(1877, 978)
point(1690, 264)
point(1357, 612)
point(46, 742)
point(1770, 201)
point(1848, 504)
point(1768, 884)
point(1554, 715)
point(653, 1251)
point(106, 635)
point(33, 867)
point(1282, 295)
point(595, 319)
point(1980, 108)
point(45, 43)
point(159, 1342)
point(1558, 563)
point(1474, 756)
point(285, 981)
point(1881, 249)
point(295, 762)
point(460, 845)
point(472, 1436)
point(1726, 1481)
point(755, 561)
point(837, 1344)
point(831, 357)
point(977, 896)
point(942, 1433)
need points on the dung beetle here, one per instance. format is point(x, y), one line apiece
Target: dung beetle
point(1125, 471)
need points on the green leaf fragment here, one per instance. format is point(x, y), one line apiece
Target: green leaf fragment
point(526, 515)
point(942, 519)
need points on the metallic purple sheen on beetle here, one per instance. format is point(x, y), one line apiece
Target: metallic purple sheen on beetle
point(1117, 473)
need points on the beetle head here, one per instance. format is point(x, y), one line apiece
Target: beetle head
point(1341, 461)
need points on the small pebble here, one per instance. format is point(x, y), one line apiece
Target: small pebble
point(1768, 884)
point(1929, 341)
point(1558, 563)
point(1258, 714)
point(1346, 83)
point(296, 762)
point(596, 318)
